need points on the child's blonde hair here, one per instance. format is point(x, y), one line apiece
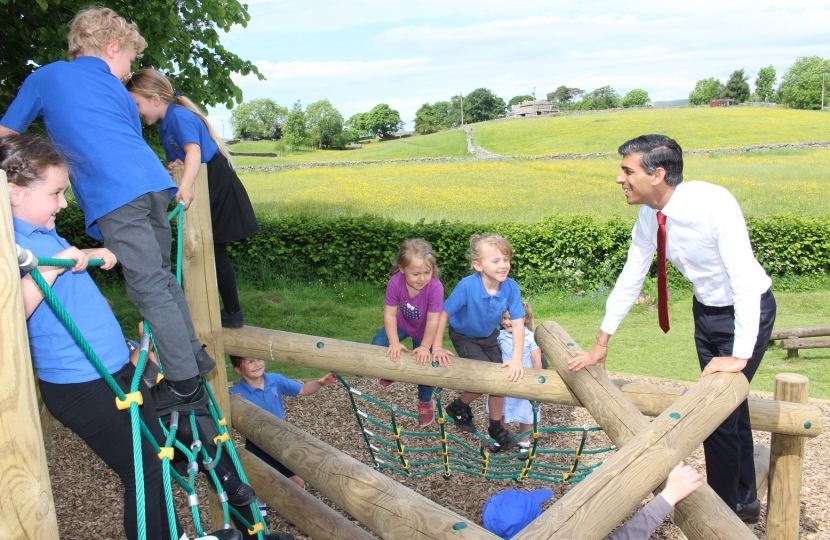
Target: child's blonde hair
point(528, 316)
point(495, 240)
point(414, 248)
point(149, 82)
point(92, 28)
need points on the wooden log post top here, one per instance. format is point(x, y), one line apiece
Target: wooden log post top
point(701, 515)
point(392, 511)
point(27, 509)
point(369, 360)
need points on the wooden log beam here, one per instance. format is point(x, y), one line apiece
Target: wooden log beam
point(701, 515)
point(370, 361)
point(806, 331)
point(27, 509)
point(297, 505)
point(597, 504)
point(805, 343)
point(389, 509)
point(786, 466)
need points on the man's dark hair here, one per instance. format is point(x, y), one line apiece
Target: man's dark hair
point(657, 151)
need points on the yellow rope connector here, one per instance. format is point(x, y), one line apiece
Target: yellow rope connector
point(441, 419)
point(565, 478)
point(536, 434)
point(223, 422)
point(402, 450)
point(166, 452)
point(397, 434)
point(257, 528)
point(405, 465)
point(577, 455)
point(159, 377)
point(132, 397)
point(221, 438)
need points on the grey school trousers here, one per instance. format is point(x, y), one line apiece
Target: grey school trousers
point(138, 233)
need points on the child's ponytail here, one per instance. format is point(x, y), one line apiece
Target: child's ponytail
point(149, 82)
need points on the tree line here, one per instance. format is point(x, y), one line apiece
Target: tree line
point(800, 87)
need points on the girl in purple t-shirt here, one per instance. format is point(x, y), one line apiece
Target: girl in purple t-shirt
point(414, 300)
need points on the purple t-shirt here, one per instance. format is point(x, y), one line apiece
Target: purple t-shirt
point(412, 311)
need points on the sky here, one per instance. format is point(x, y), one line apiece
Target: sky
point(405, 53)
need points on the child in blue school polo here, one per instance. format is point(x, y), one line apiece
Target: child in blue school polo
point(119, 183)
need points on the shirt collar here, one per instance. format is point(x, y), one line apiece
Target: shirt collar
point(27, 229)
point(675, 204)
point(94, 61)
point(484, 293)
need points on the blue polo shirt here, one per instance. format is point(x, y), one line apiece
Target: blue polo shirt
point(94, 124)
point(56, 355)
point(476, 313)
point(181, 126)
point(270, 397)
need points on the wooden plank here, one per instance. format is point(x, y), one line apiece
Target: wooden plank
point(805, 343)
point(761, 457)
point(389, 509)
point(786, 466)
point(27, 509)
point(370, 361)
point(297, 505)
point(595, 506)
point(700, 515)
point(806, 331)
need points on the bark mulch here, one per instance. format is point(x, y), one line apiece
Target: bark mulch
point(88, 496)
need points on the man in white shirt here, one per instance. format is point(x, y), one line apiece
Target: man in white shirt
point(707, 241)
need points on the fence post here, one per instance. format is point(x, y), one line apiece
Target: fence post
point(27, 509)
point(786, 466)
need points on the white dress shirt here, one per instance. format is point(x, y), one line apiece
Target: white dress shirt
point(707, 240)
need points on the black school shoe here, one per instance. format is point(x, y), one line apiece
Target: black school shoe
point(239, 493)
point(462, 415)
point(232, 320)
point(498, 432)
point(167, 400)
point(204, 361)
point(750, 513)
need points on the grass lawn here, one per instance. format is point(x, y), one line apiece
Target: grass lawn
point(353, 312)
point(765, 183)
point(451, 143)
point(693, 128)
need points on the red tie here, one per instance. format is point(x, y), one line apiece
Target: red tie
point(662, 286)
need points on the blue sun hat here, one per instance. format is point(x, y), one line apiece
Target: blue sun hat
point(508, 512)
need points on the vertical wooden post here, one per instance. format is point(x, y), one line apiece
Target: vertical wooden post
point(202, 294)
point(786, 465)
point(27, 509)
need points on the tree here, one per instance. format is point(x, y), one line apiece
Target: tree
point(325, 125)
point(356, 127)
point(635, 98)
point(182, 41)
point(258, 119)
point(736, 87)
point(563, 97)
point(765, 84)
point(443, 113)
point(425, 120)
point(801, 84)
point(604, 97)
point(515, 100)
point(482, 104)
point(705, 91)
point(295, 133)
point(382, 121)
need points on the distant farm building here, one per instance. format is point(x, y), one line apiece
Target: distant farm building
point(722, 102)
point(537, 107)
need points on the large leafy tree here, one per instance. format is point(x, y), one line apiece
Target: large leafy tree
point(603, 97)
point(736, 87)
point(515, 100)
point(564, 96)
point(382, 121)
point(705, 91)
point(258, 119)
point(425, 120)
point(182, 40)
point(325, 125)
point(801, 84)
point(765, 83)
point(635, 98)
point(479, 105)
point(295, 133)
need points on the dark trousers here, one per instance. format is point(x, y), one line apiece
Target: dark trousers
point(226, 278)
point(730, 466)
point(89, 410)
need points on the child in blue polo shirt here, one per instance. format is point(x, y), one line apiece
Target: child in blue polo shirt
point(119, 183)
point(474, 311)
point(71, 388)
point(188, 138)
point(266, 390)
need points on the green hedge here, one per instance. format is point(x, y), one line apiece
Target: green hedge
point(577, 253)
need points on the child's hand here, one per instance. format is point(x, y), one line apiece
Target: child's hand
point(421, 354)
point(515, 370)
point(102, 253)
point(185, 196)
point(394, 351)
point(172, 164)
point(80, 258)
point(683, 481)
point(442, 355)
point(328, 379)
